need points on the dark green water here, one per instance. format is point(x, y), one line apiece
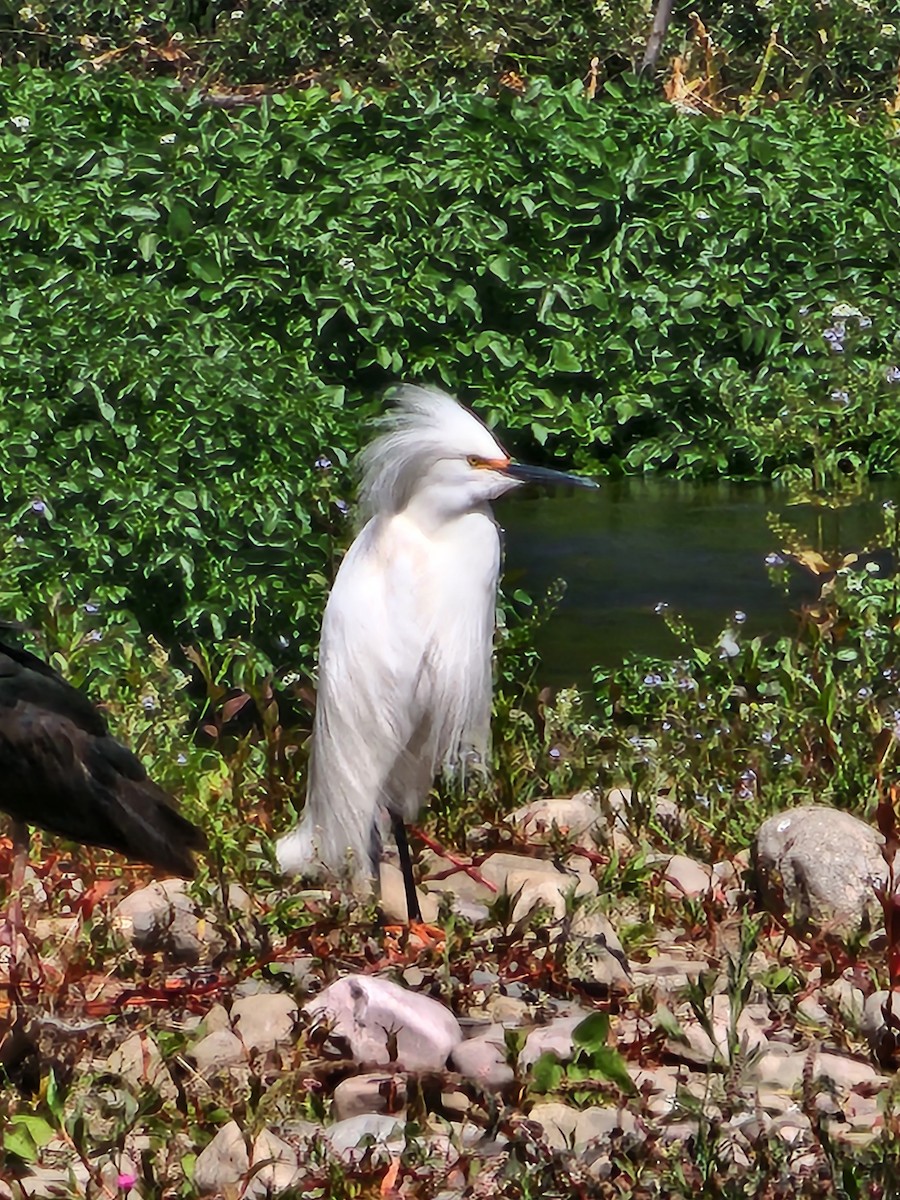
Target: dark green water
point(636, 543)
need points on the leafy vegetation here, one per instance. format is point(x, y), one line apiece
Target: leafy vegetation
point(201, 307)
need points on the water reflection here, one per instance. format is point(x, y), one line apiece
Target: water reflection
point(701, 548)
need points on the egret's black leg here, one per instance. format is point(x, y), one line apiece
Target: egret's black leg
point(413, 912)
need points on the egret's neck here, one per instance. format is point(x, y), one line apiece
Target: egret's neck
point(434, 508)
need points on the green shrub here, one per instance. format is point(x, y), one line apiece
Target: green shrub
point(200, 306)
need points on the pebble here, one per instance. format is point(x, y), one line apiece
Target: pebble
point(686, 879)
point(373, 1092)
point(385, 1132)
point(266, 1020)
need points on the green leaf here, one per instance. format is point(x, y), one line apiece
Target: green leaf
point(592, 1032)
point(546, 1073)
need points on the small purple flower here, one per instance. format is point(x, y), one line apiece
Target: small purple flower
point(893, 375)
point(322, 463)
point(342, 506)
point(555, 752)
point(148, 703)
point(834, 335)
point(653, 680)
point(774, 560)
point(840, 396)
point(181, 759)
point(38, 506)
point(95, 635)
point(90, 607)
point(740, 617)
point(661, 608)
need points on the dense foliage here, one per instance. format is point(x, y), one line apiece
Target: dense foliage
point(201, 306)
point(835, 49)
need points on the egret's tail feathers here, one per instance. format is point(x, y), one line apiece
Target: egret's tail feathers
point(306, 853)
point(297, 854)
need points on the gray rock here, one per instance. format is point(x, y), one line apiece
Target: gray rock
point(817, 866)
point(483, 1060)
point(384, 1134)
point(375, 1092)
point(223, 1163)
point(685, 878)
point(218, 1051)
point(217, 1018)
point(497, 867)
point(265, 1020)
point(383, 1022)
point(162, 916)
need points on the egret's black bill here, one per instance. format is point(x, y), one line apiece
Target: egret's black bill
point(546, 477)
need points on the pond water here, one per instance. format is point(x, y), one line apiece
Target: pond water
point(701, 548)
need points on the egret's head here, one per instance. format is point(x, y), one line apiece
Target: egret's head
point(431, 444)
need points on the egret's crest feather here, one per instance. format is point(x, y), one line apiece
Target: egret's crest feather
point(424, 426)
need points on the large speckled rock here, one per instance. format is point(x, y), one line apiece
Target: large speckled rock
point(817, 867)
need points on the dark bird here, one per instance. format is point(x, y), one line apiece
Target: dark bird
point(60, 769)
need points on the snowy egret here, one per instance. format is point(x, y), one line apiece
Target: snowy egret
point(62, 771)
point(405, 654)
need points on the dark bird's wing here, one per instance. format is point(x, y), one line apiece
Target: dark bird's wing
point(61, 770)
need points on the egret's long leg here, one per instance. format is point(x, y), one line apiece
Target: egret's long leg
point(413, 912)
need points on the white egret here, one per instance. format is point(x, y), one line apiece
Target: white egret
point(405, 654)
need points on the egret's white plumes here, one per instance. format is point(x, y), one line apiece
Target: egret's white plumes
point(405, 655)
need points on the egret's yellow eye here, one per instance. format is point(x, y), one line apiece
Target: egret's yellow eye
point(474, 461)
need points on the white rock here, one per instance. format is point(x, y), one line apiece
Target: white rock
point(818, 866)
point(374, 1015)
point(697, 1046)
point(386, 1132)
point(594, 953)
point(374, 1092)
point(573, 817)
point(685, 878)
point(558, 1122)
point(596, 1124)
point(393, 897)
point(531, 890)
point(274, 1167)
point(223, 1163)
point(139, 1061)
point(265, 1020)
point(162, 916)
point(217, 1051)
point(555, 1038)
point(483, 1060)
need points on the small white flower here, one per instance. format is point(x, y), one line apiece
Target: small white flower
point(167, 139)
point(20, 123)
point(701, 214)
point(237, 14)
point(346, 264)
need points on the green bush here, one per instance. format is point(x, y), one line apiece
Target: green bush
point(844, 50)
point(201, 306)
